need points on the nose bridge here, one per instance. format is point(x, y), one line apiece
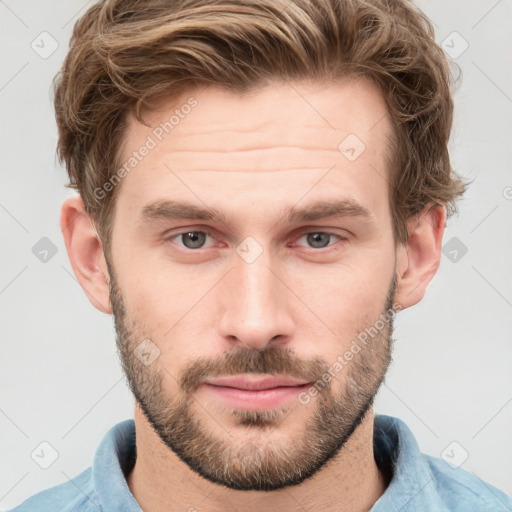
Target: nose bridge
point(257, 283)
point(255, 302)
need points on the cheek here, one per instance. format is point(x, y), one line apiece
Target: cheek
point(173, 309)
point(347, 294)
point(152, 303)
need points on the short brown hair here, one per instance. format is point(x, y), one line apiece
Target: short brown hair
point(124, 53)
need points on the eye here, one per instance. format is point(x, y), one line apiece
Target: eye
point(195, 239)
point(320, 239)
point(191, 239)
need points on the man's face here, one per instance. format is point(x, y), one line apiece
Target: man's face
point(208, 311)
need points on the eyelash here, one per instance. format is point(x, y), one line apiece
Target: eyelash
point(330, 233)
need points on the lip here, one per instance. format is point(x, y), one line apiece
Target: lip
point(255, 392)
point(255, 382)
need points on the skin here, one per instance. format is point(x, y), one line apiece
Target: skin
point(254, 157)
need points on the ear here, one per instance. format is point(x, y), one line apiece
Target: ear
point(85, 253)
point(418, 259)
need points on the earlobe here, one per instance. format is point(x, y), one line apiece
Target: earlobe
point(85, 253)
point(418, 259)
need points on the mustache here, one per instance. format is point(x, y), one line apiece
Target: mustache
point(271, 360)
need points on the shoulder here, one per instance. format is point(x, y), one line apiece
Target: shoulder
point(462, 490)
point(421, 482)
point(72, 496)
point(101, 486)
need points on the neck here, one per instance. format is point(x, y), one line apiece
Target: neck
point(350, 481)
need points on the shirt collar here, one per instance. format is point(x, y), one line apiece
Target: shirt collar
point(412, 486)
point(113, 460)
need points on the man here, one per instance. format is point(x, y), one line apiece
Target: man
point(263, 186)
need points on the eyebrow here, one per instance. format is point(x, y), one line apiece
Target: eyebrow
point(180, 210)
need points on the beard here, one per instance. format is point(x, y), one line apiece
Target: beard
point(255, 461)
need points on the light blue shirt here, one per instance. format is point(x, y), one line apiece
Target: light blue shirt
point(419, 482)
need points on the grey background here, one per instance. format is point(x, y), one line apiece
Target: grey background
point(60, 378)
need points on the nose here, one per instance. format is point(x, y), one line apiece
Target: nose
point(255, 309)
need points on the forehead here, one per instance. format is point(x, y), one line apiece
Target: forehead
point(278, 140)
